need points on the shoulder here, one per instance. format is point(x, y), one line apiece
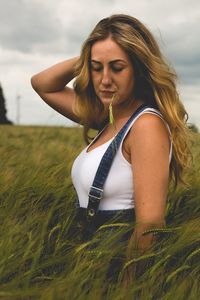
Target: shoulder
point(149, 130)
point(148, 122)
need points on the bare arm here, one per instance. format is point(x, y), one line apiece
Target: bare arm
point(50, 85)
point(149, 149)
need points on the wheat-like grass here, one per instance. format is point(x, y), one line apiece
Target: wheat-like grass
point(41, 255)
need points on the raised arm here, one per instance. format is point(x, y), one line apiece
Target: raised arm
point(50, 85)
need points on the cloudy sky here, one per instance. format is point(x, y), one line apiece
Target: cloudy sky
point(36, 34)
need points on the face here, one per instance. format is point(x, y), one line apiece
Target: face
point(112, 72)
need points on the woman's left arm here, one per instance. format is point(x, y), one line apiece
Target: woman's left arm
point(149, 149)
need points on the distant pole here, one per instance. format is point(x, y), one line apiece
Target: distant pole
point(18, 109)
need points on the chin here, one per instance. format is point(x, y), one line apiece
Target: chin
point(106, 101)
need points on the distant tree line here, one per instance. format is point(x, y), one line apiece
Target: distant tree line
point(193, 127)
point(3, 111)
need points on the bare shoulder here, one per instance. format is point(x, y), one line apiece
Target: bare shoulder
point(150, 123)
point(150, 130)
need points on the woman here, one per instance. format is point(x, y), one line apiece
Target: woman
point(121, 72)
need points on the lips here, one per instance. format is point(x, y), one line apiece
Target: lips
point(107, 94)
point(106, 91)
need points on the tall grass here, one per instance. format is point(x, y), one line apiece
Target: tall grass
point(41, 256)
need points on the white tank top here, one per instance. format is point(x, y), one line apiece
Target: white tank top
point(118, 188)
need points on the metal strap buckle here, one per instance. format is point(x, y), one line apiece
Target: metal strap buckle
point(98, 193)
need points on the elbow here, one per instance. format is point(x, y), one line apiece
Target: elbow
point(34, 82)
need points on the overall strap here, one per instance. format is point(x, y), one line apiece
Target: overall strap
point(96, 190)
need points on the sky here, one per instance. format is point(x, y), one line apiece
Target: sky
point(36, 34)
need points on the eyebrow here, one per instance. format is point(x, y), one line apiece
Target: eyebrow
point(110, 62)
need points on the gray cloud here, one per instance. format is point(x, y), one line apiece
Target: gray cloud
point(35, 34)
point(26, 25)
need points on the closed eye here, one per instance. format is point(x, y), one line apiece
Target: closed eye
point(96, 69)
point(117, 69)
point(113, 68)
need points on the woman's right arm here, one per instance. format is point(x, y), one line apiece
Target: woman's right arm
point(50, 85)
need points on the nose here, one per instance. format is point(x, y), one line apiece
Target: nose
point(106, 78)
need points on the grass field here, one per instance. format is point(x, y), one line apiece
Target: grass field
point(40, 254)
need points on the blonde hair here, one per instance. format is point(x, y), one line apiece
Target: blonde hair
point(155, 83)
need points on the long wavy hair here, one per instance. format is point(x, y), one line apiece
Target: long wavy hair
point(155, 83)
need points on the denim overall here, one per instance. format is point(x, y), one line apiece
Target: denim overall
point(91, 219)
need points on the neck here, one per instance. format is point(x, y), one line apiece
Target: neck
point(121, 114)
